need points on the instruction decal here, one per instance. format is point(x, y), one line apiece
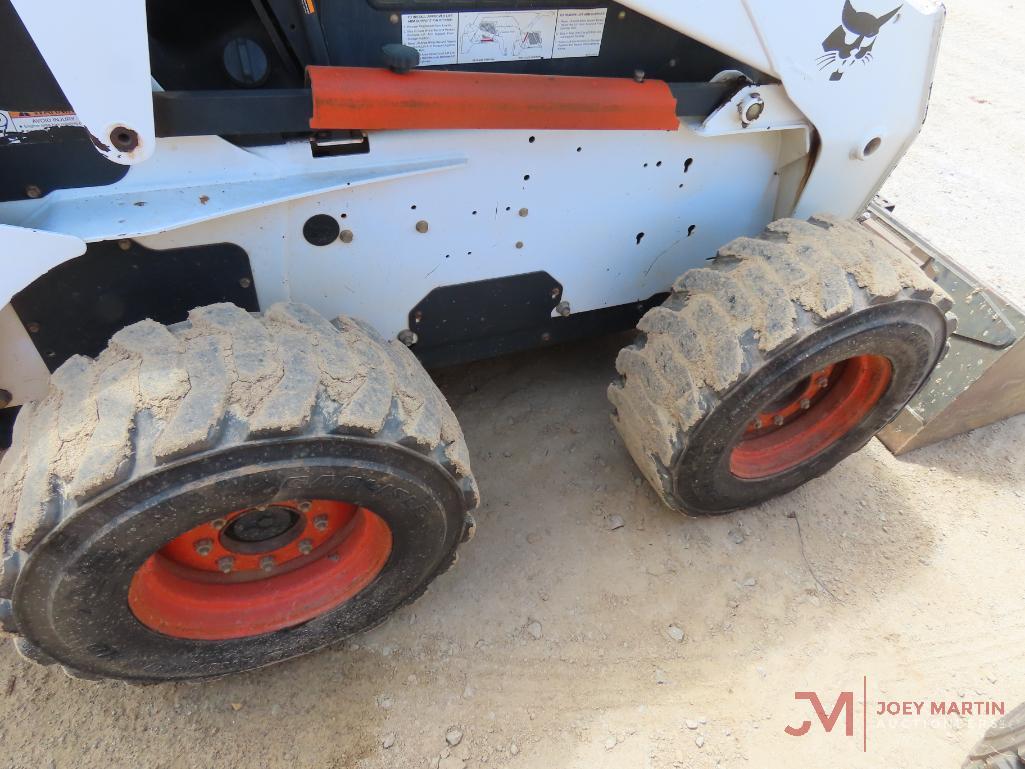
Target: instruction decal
point(474, 37)
point(16, 122)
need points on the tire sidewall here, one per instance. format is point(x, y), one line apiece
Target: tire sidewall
point(71, 598)
point(910, 334)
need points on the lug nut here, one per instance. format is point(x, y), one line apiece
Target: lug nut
point(204, 546)
point(305, 546)
point(267, 563)
point(320, 522)
point(777, 420)
point(304, 506)
point(756, 423)
point(805, 404)
point(822, 382)
point(226, 564)
point(219, 523)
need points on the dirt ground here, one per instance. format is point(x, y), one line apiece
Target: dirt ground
point(555, 640)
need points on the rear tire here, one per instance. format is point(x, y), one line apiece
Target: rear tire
point(785, 355)
point(135, 493)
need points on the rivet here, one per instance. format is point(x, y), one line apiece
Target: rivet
point(226, 564)
point(204, 546)
point(421, 226)
point(305, 546)
point(320, 522)
point(345, 236)
point(267, 563)
point(32, 191)
point(519, 244)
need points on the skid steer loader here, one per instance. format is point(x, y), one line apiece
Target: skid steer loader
point(237, 232)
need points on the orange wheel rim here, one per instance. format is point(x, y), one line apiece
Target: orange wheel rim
point(260, 569)
point(812, 416)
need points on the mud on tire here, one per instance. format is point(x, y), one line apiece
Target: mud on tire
point(170, 427)
point(707, 382)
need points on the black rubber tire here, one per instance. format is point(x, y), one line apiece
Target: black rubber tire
point(172, 427)
point(766, 313)
point(1003, 745)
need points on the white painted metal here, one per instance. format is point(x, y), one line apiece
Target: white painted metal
point(99, 53)
point(585, 208)
point(589, 242)
point(29, 253)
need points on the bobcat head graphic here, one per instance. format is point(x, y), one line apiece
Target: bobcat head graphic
point(853, 40)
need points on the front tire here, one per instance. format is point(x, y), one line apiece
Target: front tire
point(227, 493)
point(765, 369)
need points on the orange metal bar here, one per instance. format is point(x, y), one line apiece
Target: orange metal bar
point(355, 97)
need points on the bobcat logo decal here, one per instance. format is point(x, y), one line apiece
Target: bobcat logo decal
point(853, 40)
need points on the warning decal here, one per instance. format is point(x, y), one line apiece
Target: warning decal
point(474, 37)
point(15, 122)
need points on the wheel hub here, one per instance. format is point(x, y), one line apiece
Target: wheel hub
point(810, 416)
point(260, 569)
point(262, 530)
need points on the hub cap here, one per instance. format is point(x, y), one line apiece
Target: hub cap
point(260, 569)
point(810, 417)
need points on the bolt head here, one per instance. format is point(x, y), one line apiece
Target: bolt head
point(639, 75)
point(524, 212)
point(345, 236)
point(267, 563)
point(203, 546)
point(563, 309)
point(320, 523)
point(306, 546)
point(407, 337)
point(305, 505)
point(777, 420)
point(805, 404)
point(124, 245)
point(226, 564)
point(422, 226)
point(245, 282)
point(822, 382)
point(33, 191)
point(756, 423)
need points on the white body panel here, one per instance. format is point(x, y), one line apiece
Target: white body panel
point(99, 53)
point(585, 209)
